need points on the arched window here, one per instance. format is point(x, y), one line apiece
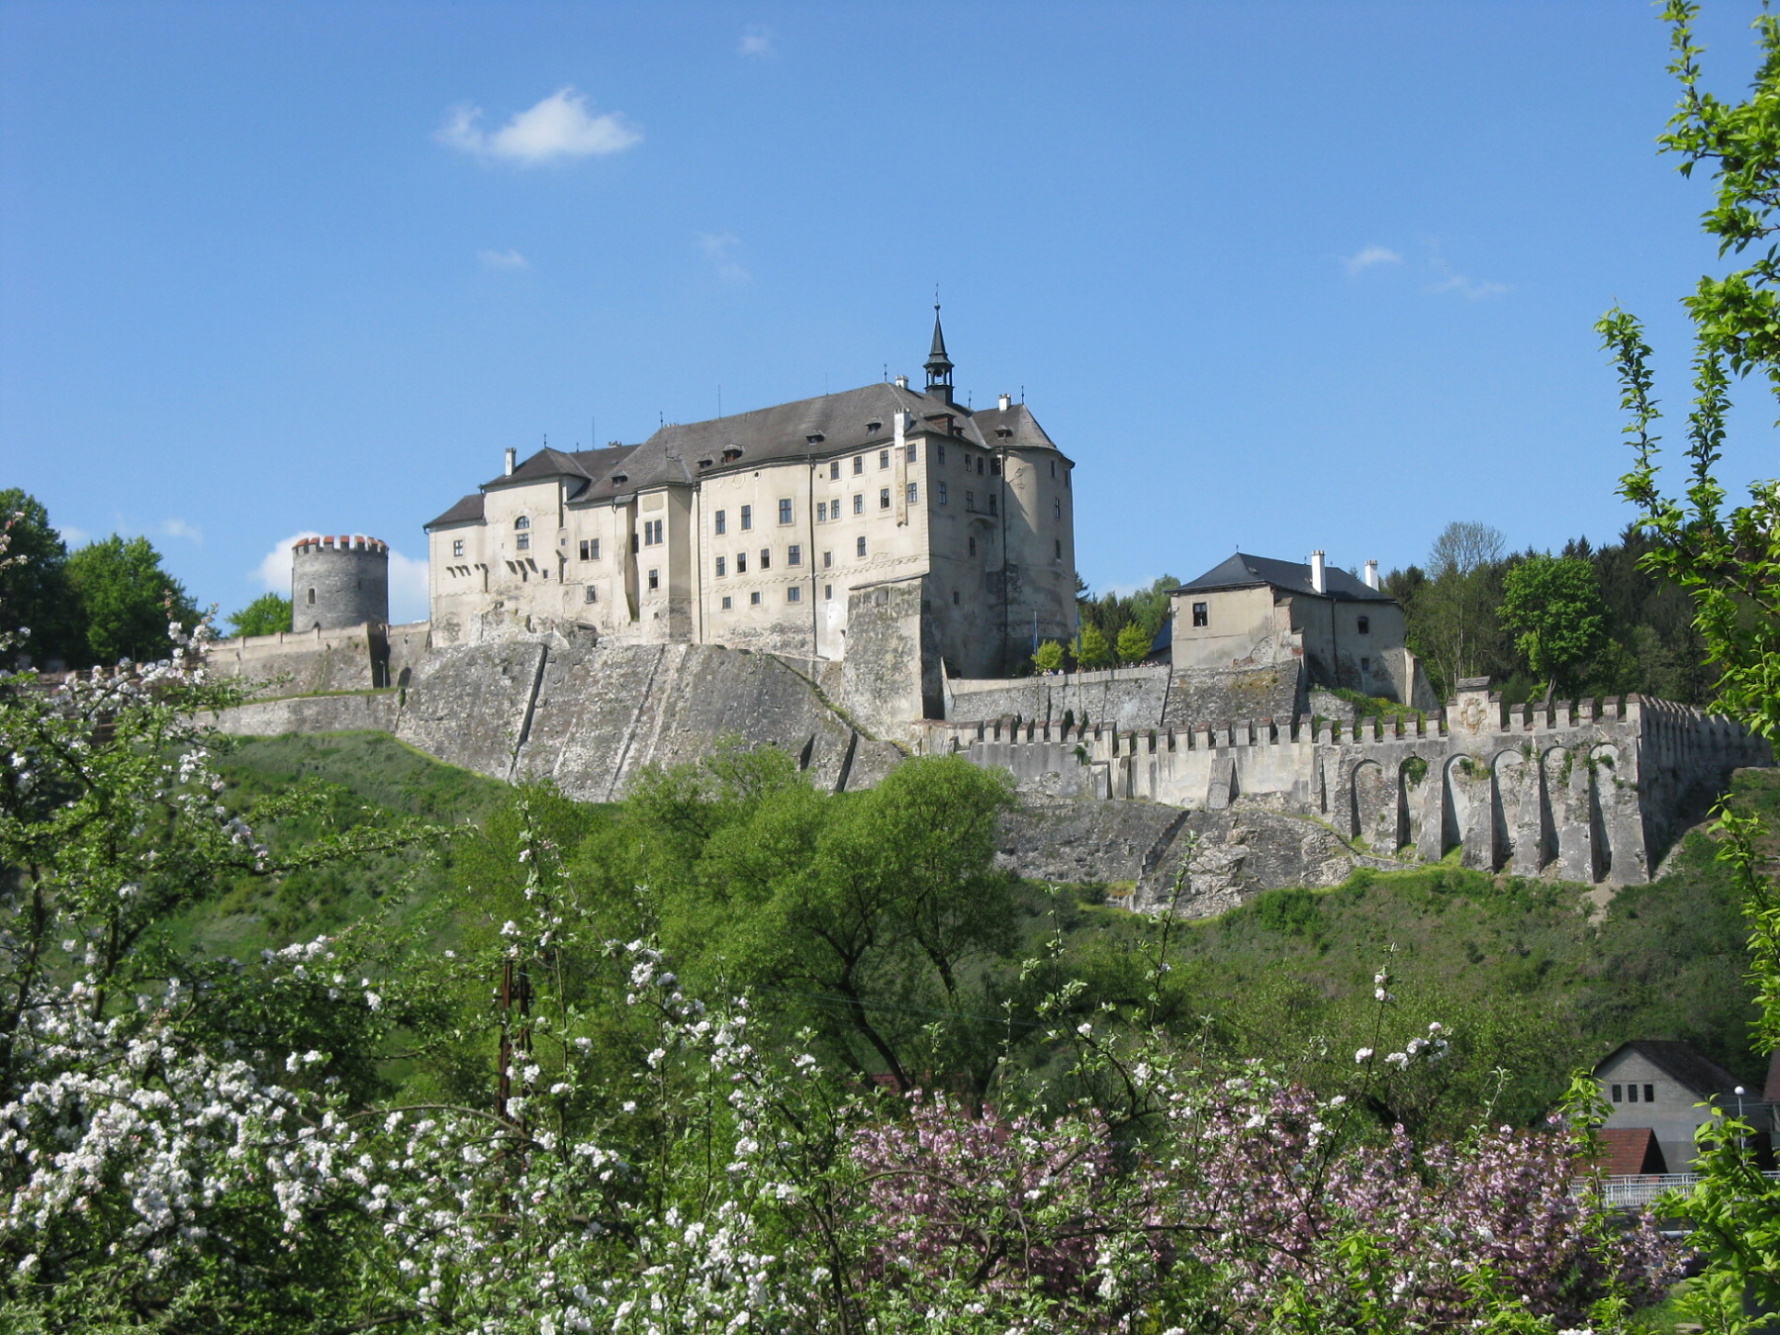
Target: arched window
point(524, 541)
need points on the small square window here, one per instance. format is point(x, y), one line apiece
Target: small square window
point(1365, 625)
point(834, 470)
point(794, 594)
point(1365, 665)
point(1201, 614)
point(939, 453)
point(914, 453)
point(784, 512)
point(883, 498)
point(747, 516)
point(766, 558)
point(720, 522)
point(794, 554)
point(1650, 1093)
point(722, 567)
point(828, 593)
point(883, 458)
point(1618, 1091)
point(859, 547)
point(457, 547)
point(827, 560)
point(954, 597)
point(741, 563)
point(821, 512)
point(940, 495)
point(858, 464)
point(654, 579)
point(1631, 1093)
point(858, 502)
point(593, 594)
point(914, 493)
point(754, 599)
point(728, 602)
point(524, 542)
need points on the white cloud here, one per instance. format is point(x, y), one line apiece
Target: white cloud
point(1469, 288)
point(1369, 257)
point(179, 528)
point(503, 259)
point(558, 127)
point(74, 537)
point(717, 248)
point(408, 589)
point(756, 41)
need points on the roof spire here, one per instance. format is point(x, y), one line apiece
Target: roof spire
point(939, 366)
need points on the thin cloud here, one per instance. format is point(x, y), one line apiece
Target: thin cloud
point(558, 127)
point(503, 259)
point(1369, 258)
point(273, 572)
point(74, 537)
point(718, 248)
point(755, 42)
point(1470, 289)
point(179, 528)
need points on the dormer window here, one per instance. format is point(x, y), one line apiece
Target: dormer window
point(731, 453)
point(1004, 431)
point(815, 438)
point(874, 427)
point(706, 463)
point(619, 479)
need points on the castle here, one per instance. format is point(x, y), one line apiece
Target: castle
point(856, 577)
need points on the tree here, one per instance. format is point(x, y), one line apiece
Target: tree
point(1728, 561)
point(1134, 643)
point(34, 590)
point(1048, 657)
point(1554, 603)
point(1091, 649)
point(127, 598)
point(1454, 612)
point(269, 614)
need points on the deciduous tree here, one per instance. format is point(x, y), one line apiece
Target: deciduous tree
point(127, 599)
point(1554, 604)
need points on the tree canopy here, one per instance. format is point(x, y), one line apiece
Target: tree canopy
point(126, 598)
point(1554, 603)
point(269, 614)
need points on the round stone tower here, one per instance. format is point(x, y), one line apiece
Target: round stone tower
point(339, 582)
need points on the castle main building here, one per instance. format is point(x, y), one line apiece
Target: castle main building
point(772, 529)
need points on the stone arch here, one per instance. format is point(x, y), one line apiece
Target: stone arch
point(1374, 806)
point(1456, 809)
point(1603, 793)
point(1412, 790)
point(1508, 778)
point(1567, 841)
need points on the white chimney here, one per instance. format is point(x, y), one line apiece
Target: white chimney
point(512, 461)
point(1372, 574)
point(901, 423)
point(1316, 571)
point(1007, 401)
point(902, 382)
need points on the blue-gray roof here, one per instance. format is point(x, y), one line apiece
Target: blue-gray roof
point(1242, 571)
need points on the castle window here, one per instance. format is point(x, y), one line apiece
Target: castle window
point(821, 512)
point(720, 523)
point(827, 560)
point(593, 594)
point(754, 598)
point(939, 453)
point(1201, 614)
point(312, 597)
point(728, 602)
point(784, 512)
point(457, 547)
point(828, 593)
point(522, 522)
point(883, 498)
point(1057, 508)
point(858, 502)
point(979, 465)
point(995, 468)
point(654, 579)
point(858, 464)
point(883, 458)
point(1365, 665)
point(1617, 1091)
point(722, 567)
point(1066, 479)
point(973, 546)
point(954, 597)
point(1650, 1093)
point(766, 558)
point(994, 504)
point(1053, 468)
point(523, 542)
point(859, 547)
point(914, 453)
point(794, 594)
point(741, 563)
point(914, 493)
point(747, 517)
point(590, 549)
point(834, 470)
point(1365, 625)
point(652, 532)
point(1631, 1093)
point(970, 501)
point(1059, 546)
point(794, 555)
point(940, 495)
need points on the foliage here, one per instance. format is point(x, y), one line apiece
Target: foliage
point(35, 596)
point(126, 599)
point(269, 614)
point(1091, 649)
point(1554, 603)
point(1048, 657)
point(1111, 613)
point(1133, 644)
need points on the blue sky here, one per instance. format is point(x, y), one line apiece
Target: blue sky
point(1278, 276)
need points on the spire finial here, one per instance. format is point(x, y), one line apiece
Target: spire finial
point(939, 366)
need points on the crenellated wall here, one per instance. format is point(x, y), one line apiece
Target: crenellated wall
point(1563, 791)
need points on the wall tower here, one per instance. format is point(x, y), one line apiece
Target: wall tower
point(337, 582)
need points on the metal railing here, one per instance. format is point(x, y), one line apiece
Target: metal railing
point(1641, 1189)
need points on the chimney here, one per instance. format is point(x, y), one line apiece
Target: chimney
point(1316, 571)
point(512, 461)
point(902, 382)
point(1372, 574)
point(1007, 401)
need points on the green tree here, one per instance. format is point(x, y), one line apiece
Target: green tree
point(1727, 558)
point(1133, 643)
point(269, 614)
point(1554, 604)
point(128, 599)
point(1091, 648)
point(1452, 619)
point(34, 589)
point(1048, 657)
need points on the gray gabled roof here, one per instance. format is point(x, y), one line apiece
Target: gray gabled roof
point(583, 465)
point(1242, 571)
point(1692, 1069)
point(466, 511)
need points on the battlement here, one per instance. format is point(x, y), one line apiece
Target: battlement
point(356, 542)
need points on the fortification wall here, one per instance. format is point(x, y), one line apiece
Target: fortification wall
point(303, 662)
point(1212, 696)
point(1131, 697)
